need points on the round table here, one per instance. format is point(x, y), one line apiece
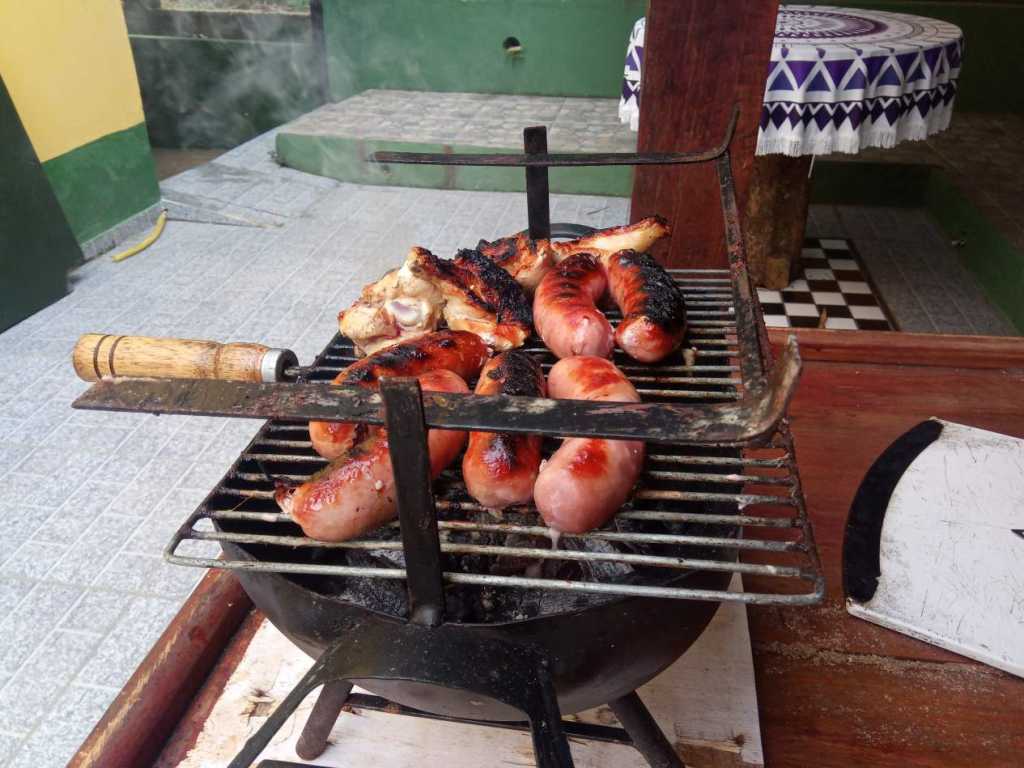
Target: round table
point(839, 80)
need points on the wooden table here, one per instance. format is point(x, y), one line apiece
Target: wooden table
point(833, 690)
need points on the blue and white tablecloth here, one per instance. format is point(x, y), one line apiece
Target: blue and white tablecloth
point(841, 79)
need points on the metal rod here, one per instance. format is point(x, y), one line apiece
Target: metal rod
point(313, 739)
point(410, 463)
point(561, 585)
point(565, 159)
point(738, 422)
point(538, 206)
point(654, 561)
point(636, 514)
point(647, 737)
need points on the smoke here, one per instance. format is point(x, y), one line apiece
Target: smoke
point(214, 76)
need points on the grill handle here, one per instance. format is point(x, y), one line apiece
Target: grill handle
point(97, 356)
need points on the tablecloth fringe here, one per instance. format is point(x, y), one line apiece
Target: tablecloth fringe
point(855, 141)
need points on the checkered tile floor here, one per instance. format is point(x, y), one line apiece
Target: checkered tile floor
point(834, 292)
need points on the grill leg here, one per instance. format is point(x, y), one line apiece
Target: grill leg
point(313, 740)
point(259, 740)
point(446, 656)
point(644, 731)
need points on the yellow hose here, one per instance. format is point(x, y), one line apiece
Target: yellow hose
point(150, 239)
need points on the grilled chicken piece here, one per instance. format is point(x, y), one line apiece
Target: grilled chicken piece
point(458, 351)
point(525, 259)
point(479, 297)
point(499, 468)
point(653, 307)
point(529, 260)
point(400, 306)
point(470, 292)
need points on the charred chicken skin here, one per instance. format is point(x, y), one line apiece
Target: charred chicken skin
point(565, 308)
point(356, 492)
point(587, 480)
point(500, 468)
point(529, 260)
point(462, 352)
point(470, 292)
point(653, 308)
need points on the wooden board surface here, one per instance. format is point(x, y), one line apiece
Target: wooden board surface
point(835, 690)
point(705, 703)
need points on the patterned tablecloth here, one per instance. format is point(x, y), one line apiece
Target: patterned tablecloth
point(841, 79)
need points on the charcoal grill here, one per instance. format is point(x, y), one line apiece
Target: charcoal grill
point(459, 614)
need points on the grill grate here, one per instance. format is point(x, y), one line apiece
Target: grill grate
point(697, 508)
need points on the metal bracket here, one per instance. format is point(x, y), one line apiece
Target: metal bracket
point(410, 462)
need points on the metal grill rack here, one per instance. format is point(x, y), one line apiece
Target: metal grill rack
point(696, 508)
point(720, 490)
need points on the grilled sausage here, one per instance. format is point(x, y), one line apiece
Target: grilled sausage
point(500, 468)
point(653, 308)
point(586, 480)
point(459, 351)
point(356, 492)
point(565, 309)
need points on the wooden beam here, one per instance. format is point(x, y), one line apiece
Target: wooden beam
point(889, 348)
point(146, 711)
point(700, 58)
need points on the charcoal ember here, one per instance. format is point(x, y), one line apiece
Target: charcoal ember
point(598, 570)
point(394, 557)
point(507, 565)
point(384, 595)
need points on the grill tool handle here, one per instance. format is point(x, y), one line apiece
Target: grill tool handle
point(97, 356)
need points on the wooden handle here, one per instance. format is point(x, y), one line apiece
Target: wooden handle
point(99, 356)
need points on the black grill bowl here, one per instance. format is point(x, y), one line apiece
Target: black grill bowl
point(597, 654)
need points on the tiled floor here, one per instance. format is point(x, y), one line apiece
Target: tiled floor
point(915, 268)
point(983, 155)
point(833, 291)
point(477, 119)
point(91, 499)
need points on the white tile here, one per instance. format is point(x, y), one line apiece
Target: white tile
point(819, 274)
point(867, 313)
point(802, 310)
point(812, 253)
point(850, 286)
point(769, 297)
point(843, 264)
point(797, 285)
point(827, 297)
point(841, 324)
point(776, 321)
point(835, 245)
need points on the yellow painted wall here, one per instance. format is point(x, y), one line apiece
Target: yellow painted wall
point(69, 69)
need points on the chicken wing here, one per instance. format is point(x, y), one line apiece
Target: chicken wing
point(529, 260)
point(470, 292)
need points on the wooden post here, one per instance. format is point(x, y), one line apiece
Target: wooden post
point(700, 58)
point(776, 217)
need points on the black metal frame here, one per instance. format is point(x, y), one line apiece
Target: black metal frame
point(426, 649)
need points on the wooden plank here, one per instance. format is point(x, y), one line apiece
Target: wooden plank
point(700, 59)
point(927, 349)
point(148, 708)
point(835, 690)
point(183, 739)
point(836, 710)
